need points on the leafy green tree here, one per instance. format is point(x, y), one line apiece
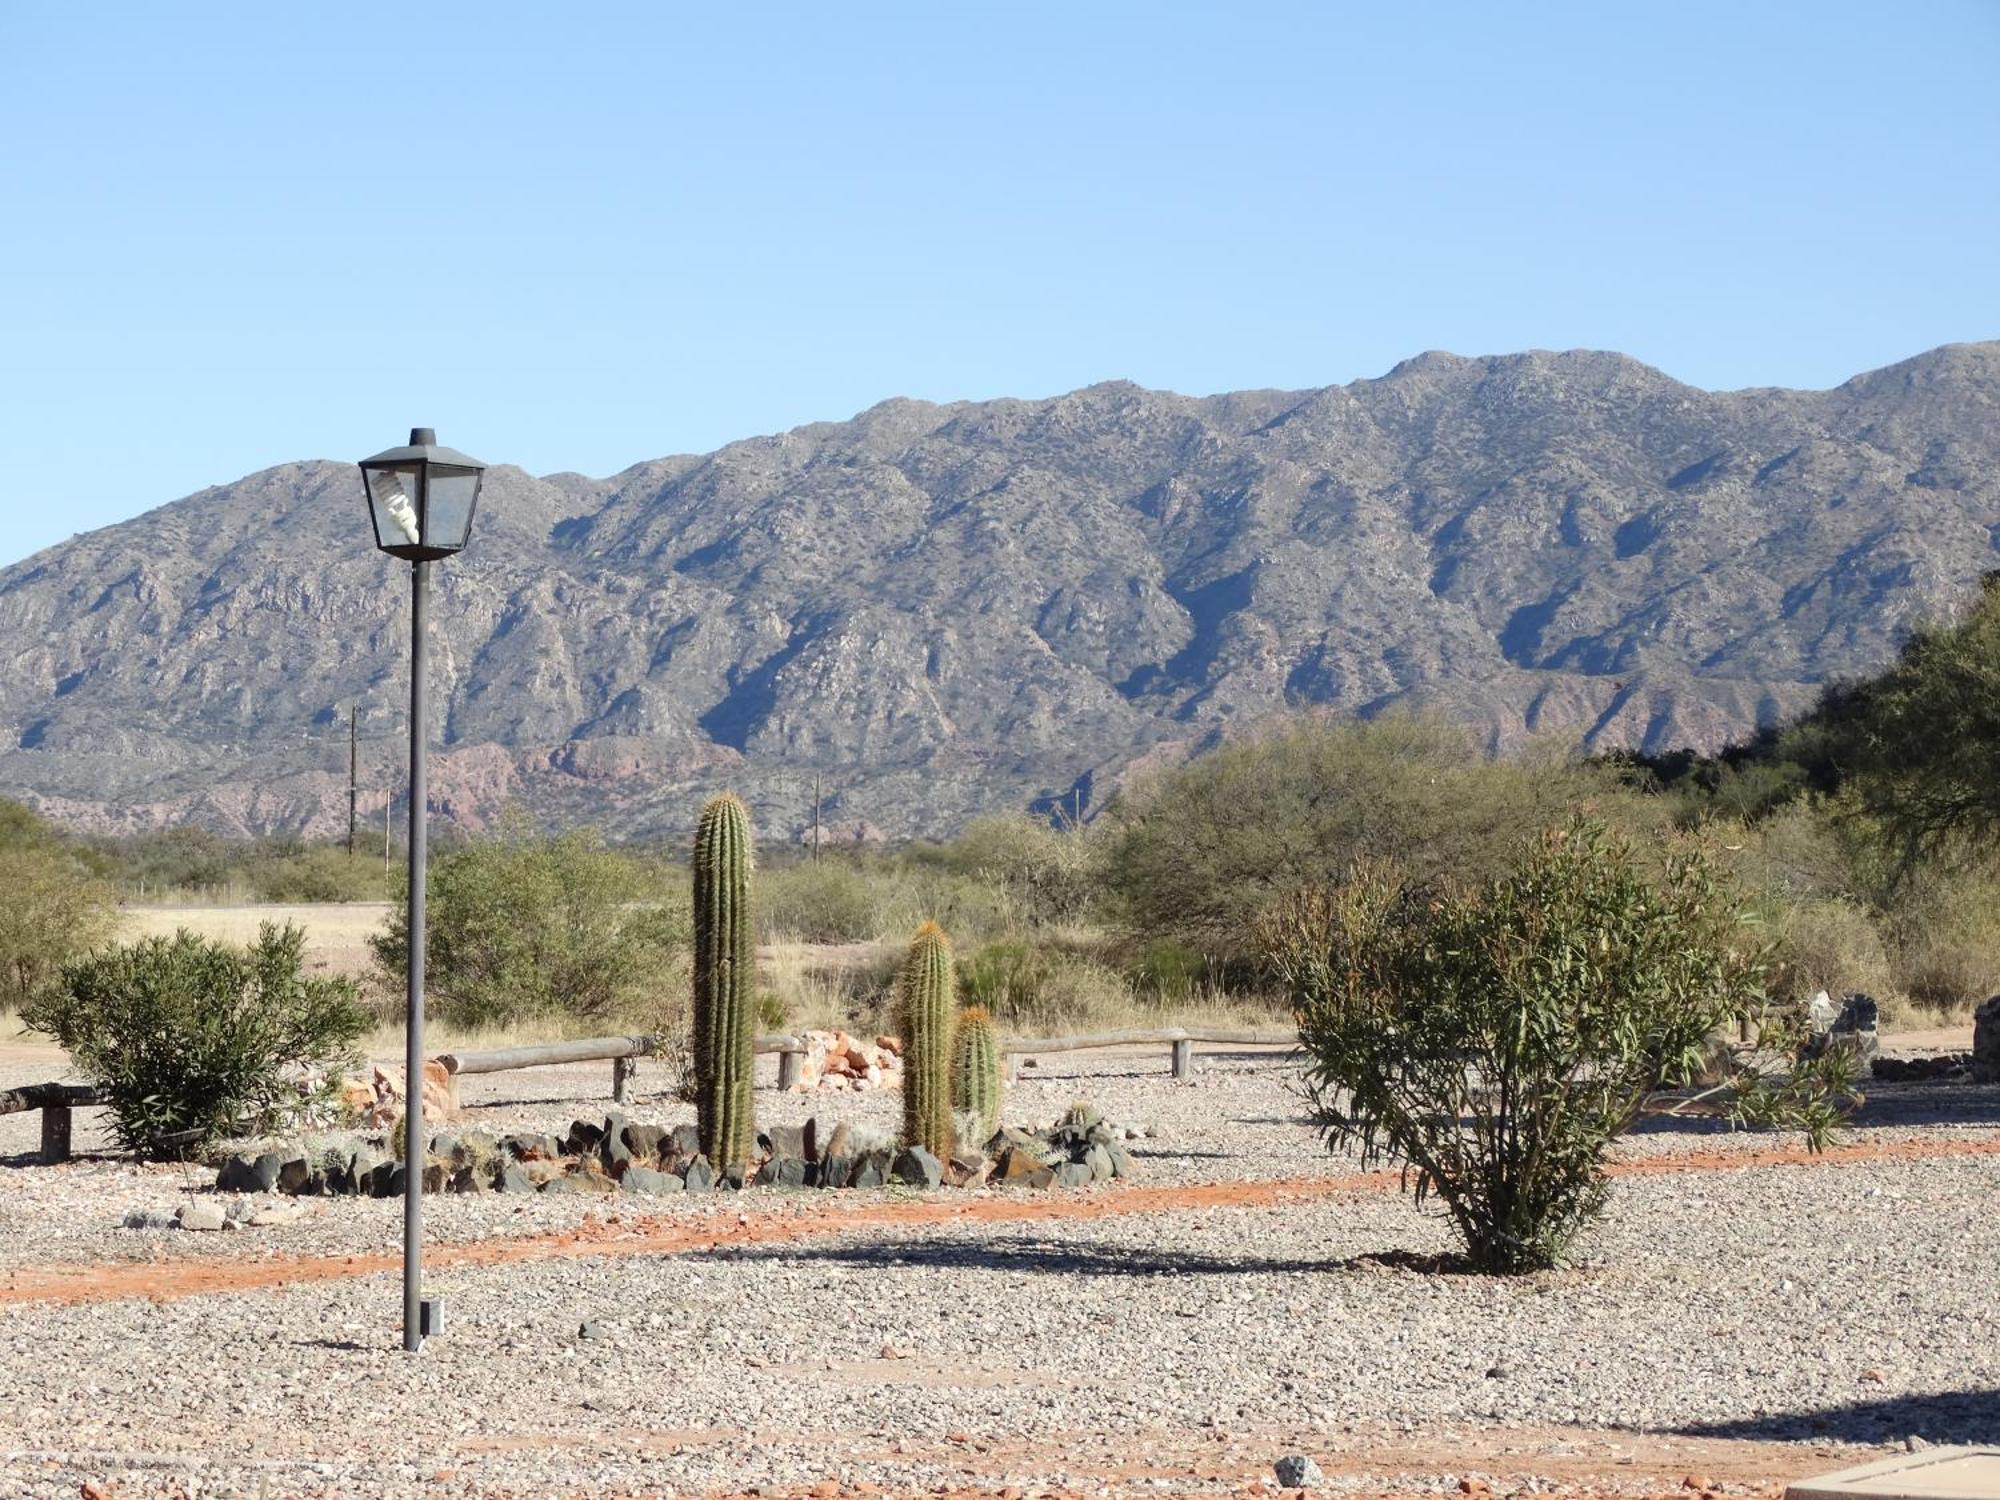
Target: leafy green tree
point(1200, 853)
point(526, 925)
point(1497, 1039)
point(54, 906)
point(1922, 740)
point(190, 1040)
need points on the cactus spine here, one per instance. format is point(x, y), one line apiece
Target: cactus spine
point(725, 960)
point(926, 1003)
point(975, 1071)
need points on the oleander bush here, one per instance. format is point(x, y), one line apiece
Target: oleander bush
point(1496, 1038)
point(190, 1041)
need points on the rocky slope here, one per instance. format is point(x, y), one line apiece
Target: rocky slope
point(940, 609)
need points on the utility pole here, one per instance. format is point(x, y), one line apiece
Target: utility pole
point(815, 816)
point(353, 789)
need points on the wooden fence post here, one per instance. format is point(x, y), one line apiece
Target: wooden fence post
point(55, 1133)
point(789, 1065)
point(1184, 1058)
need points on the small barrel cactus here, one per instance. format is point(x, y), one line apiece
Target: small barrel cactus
point(976, 1083)
point(725, 960)
point(926, 1008)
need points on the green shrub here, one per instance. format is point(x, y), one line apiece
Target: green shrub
point(321, 874)
point(1827, 943)
point(53, 910)
point(1498, 1040)
point(1169, 972)
point(819, 901)
point(1944, 926)
point(522, 925)
point(1051, 875)
point(1200, 853)
point(190, 1041)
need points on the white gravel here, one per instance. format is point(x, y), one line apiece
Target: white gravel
point(1852, 1303)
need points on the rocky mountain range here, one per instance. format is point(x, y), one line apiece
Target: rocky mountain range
point(933, 610)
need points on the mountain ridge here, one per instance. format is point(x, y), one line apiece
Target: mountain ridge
point(936, 608)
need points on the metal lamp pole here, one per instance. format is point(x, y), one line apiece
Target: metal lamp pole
point(421, 498)
point(415, 1323)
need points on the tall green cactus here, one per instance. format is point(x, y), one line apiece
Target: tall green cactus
point(926, 1005)
point(976, 1083)
point(725, 965)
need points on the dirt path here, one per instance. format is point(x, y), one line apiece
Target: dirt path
point(621, 1234)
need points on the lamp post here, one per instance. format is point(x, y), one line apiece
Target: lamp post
point(421, 498)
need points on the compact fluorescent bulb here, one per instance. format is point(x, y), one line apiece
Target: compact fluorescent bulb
point(402, 512)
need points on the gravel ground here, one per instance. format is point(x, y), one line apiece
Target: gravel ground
point(1768, 1306)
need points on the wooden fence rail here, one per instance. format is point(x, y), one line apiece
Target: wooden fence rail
point(619, 1051)
point(56, 1100)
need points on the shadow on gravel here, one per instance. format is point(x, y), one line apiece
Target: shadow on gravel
point(1944, 1417)
point(1024, 1253)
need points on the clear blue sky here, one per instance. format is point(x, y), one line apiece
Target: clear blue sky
point(577, 236)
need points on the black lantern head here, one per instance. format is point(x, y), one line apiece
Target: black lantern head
point(421, 497)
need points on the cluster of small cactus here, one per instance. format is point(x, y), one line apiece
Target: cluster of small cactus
point(925, 999)
point(725, 959)
point(976, 1082)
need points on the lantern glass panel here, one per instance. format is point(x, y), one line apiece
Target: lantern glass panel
point(395, 497)
point(448, 513)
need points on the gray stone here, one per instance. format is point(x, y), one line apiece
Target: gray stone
point(239, 1175)
point(916, 1167)
point(1295, 1471)
point(592, 1331)
point(871, 1170)
point(784, 1141)
point(697, 1175)
point(1072, 1174)
point(1986, 1041)
point(513, 1179)
point(151, 1218)
point(687, 1140)
point(295, 1176)
point(362, 1169)
point(1020, 1167)
point(583, 1137)
point(834, 1144)
point(387, 1180)
point(238, 1209)
point(614, 1153)
point(1121, 1162)
point(1098, 1159)
point(836, 1171)
point(646, 1180)
point(206, 1216)
point(783, 1171)
point(645, 1141)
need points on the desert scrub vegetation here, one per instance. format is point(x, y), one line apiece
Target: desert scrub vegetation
point(1496, 1038)
point(56, 905)
point(1197, 855)
point(191, 1041)
point(195, 866)
point(524, 925)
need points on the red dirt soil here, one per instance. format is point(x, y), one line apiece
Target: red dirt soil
point(621, 1234)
